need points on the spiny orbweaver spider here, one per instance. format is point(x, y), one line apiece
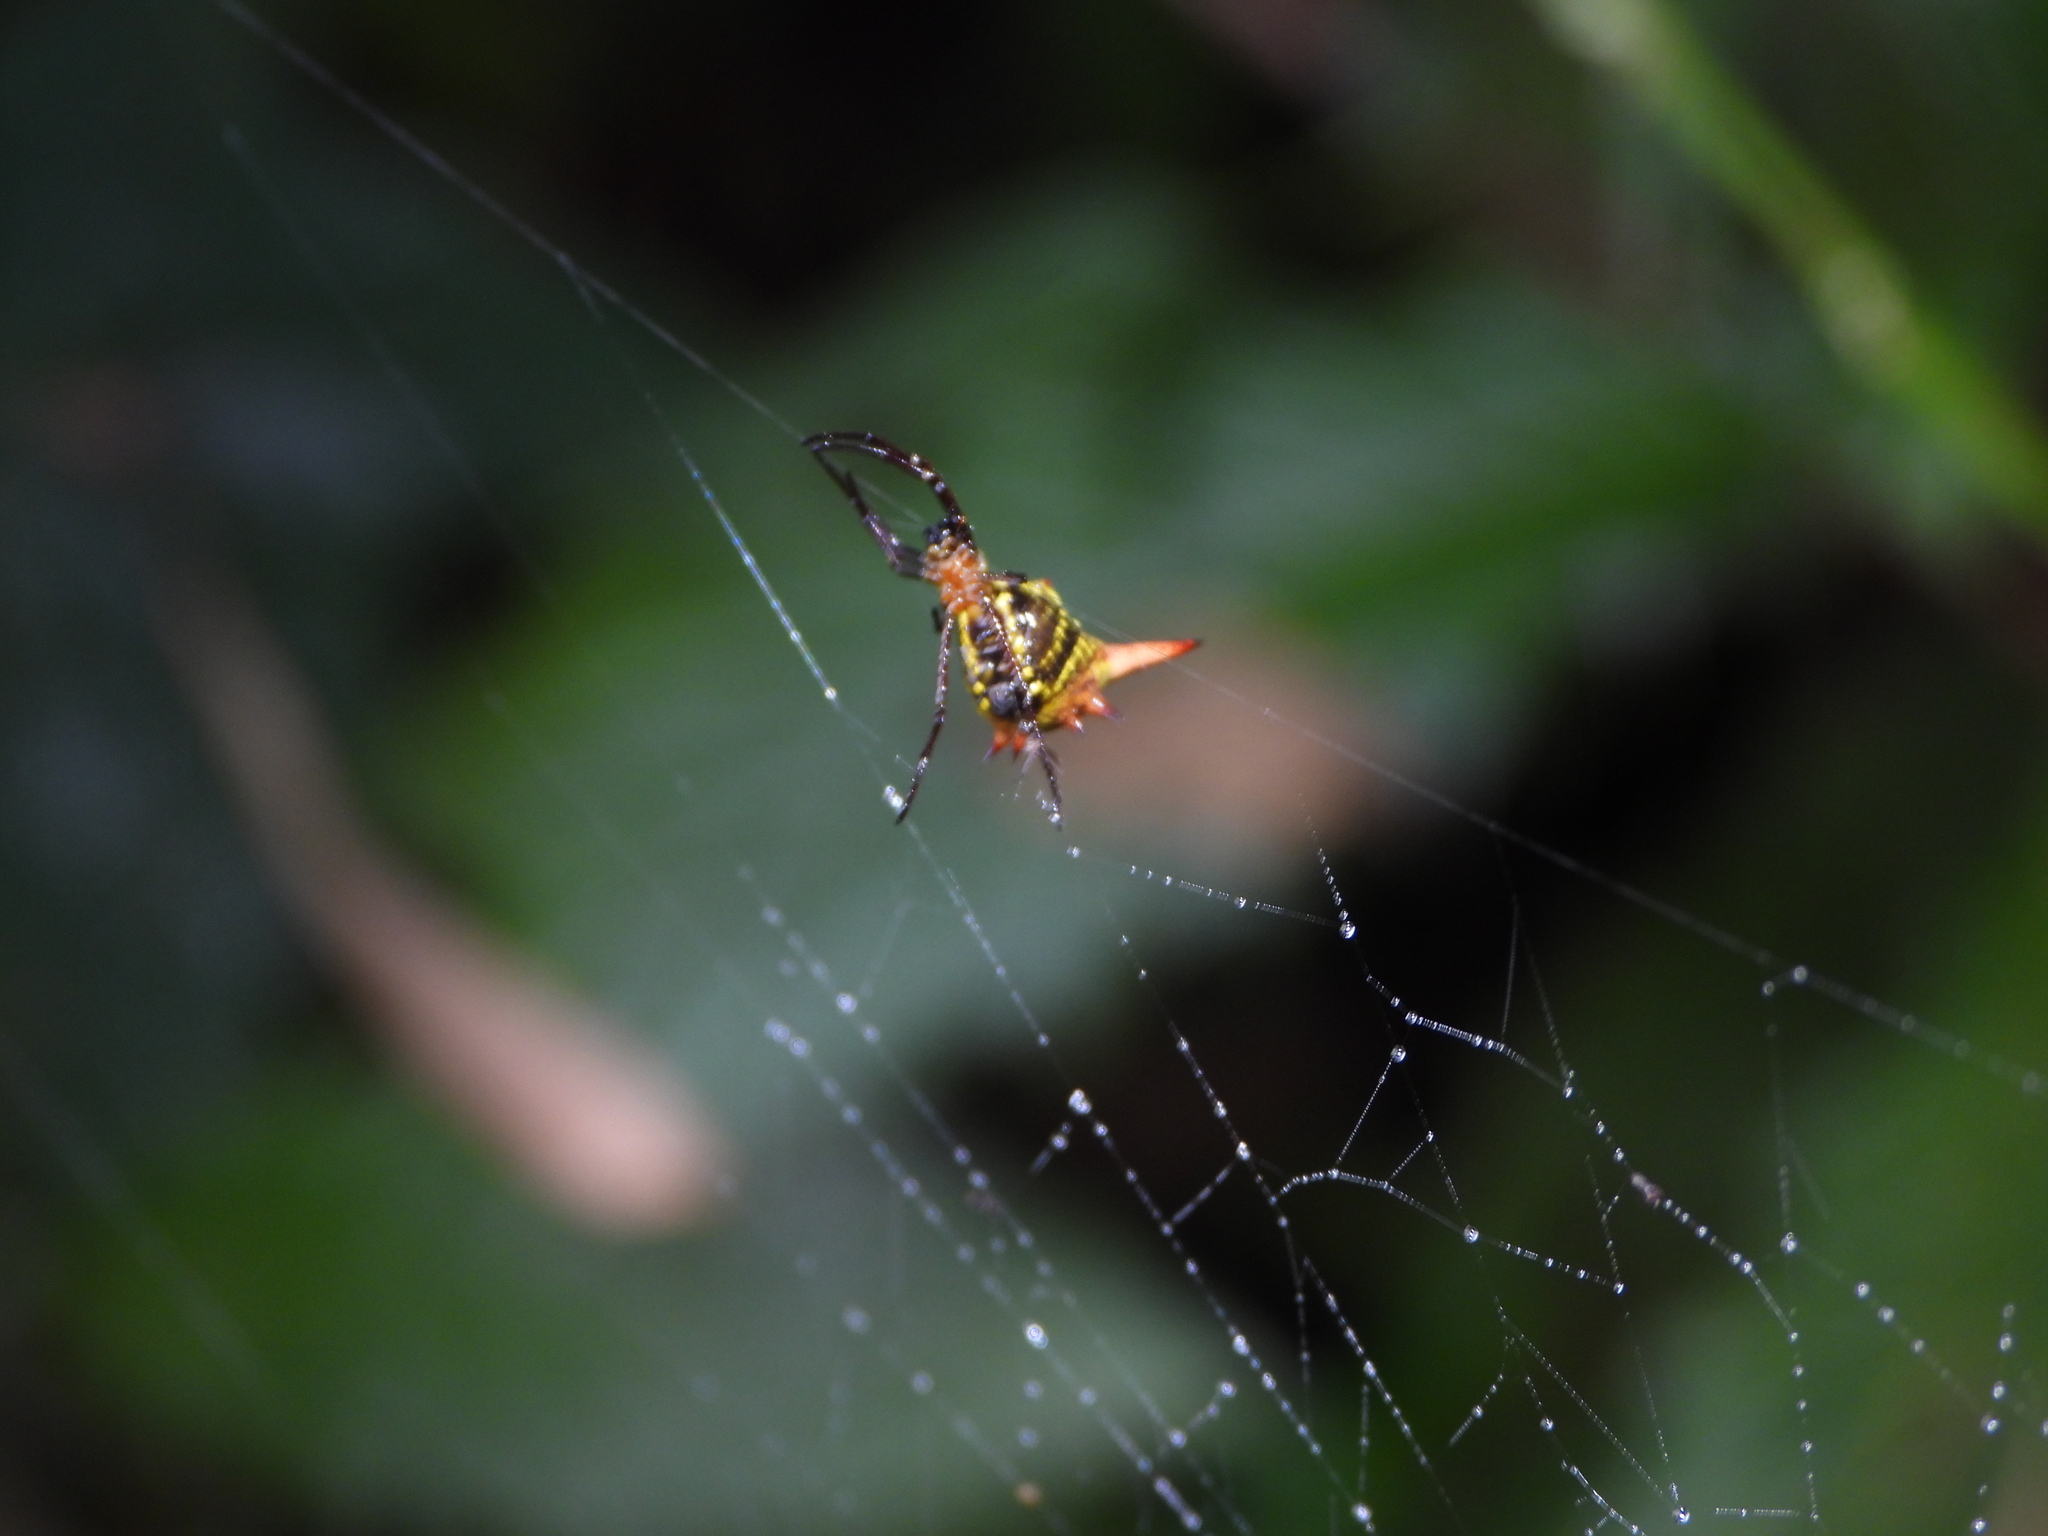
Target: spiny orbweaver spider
point(1029, 664)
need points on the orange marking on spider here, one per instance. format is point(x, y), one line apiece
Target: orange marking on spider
point(1030, 665)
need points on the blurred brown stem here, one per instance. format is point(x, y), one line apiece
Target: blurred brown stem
point(594, 1119)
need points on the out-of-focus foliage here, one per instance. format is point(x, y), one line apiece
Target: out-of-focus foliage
point(1434, 388)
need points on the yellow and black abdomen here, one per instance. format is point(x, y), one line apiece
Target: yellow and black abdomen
point(1036, 656)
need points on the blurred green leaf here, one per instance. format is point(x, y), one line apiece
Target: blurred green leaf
point(431, 1346)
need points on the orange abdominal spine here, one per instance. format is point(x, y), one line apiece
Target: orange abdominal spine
point(1120, 658)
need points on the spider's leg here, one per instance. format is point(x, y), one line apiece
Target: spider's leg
point(1028, 721)
point(903, 559)
point(1052, 776)
point(924, 758)
point(1029, 739)
point(822, 443)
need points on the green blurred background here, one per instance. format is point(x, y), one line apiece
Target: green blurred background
point(1617, 417)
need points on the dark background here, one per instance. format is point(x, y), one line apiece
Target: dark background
point(1412, 364)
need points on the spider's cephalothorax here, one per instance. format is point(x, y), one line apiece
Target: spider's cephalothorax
point(1030, 665)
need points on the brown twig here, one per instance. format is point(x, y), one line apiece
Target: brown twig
point(596, 1121)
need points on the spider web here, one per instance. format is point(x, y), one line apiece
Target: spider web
point(1079, 1333)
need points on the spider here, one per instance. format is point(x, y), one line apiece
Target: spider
point(1029, 664)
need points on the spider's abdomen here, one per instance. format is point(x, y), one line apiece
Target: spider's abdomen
point(1025, 655)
